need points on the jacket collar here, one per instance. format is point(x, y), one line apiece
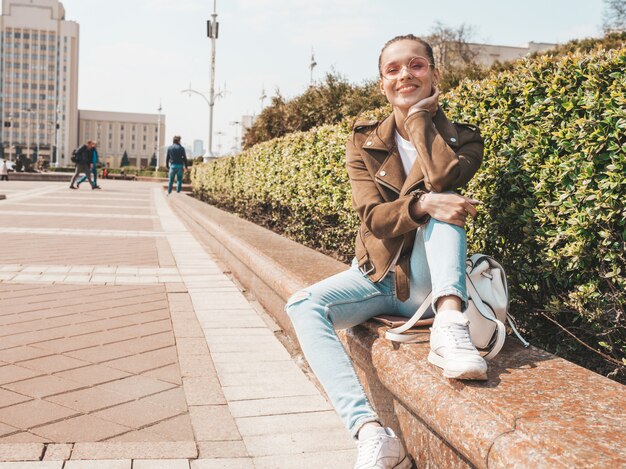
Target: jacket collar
point(391, 172)
point(382, 138)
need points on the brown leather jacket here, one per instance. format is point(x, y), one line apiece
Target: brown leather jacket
point(448, 155)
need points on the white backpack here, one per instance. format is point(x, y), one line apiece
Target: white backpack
point(487, 309)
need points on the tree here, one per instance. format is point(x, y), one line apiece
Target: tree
point(124, 161)
point(153, 161)
point(614, 16)
point(454, 55)
point(451, 46)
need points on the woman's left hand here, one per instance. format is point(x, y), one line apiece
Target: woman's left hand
point(430, 104)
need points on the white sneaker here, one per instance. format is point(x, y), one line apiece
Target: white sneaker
point(451, 347)
point(382, 450)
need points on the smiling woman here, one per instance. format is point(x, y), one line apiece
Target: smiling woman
point(403, 172)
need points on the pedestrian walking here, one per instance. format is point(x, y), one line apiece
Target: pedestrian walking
point(4, 171)
point(403, 171)
point(82, 157)
point(176, 162)
point(94, 167)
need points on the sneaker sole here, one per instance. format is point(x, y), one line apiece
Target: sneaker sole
point(440, 362)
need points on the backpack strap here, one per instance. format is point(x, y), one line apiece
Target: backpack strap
point(397, 333)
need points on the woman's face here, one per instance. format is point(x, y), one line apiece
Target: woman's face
point(405, 90)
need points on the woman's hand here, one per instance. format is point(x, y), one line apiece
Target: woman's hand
point(430, 104)
point(448, 208)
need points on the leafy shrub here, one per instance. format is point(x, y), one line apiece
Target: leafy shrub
point(329, 102)
point(552, 186)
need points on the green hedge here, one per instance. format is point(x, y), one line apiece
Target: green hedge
point(552, 186)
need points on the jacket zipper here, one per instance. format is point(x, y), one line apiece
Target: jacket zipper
point(387, 185)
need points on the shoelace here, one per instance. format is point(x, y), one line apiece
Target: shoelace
point(367, 450)
point(459, 333)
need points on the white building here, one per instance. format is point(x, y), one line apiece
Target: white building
point(117, 132)
point(488, 54)
point(198, 148)
point(39, 80)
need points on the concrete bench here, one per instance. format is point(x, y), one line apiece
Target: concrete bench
point(535, 411)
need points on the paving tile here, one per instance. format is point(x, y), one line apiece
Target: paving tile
point(196, 366)
point(170, 374)
point(192, 346)
point(90, 399)
point(137, 414)
point(342, 459)
point(161, 464)
point(137, 386)
point(81, 428)
point(172, 398)
point(287, 423)
point(137, 436)
point(139, 450)
point(203, 391)
point(8, 398)
point(226, 463)
point(12, 373)
point(99, 354)
point(22, 438)
point(42, 386)
point(175, 429)
point(33, 413)
point(269, 390)
point(222, 449)
point(92, 375)
point(53, 363)
point(213, 423)
point(310, 441)
point(32, 465)
point(145, 361)
point(24, 352)
point(278, 405)
point(111, 464)
point(7, 429)
point(57, 452)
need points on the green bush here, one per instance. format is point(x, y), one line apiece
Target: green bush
point(552, 186)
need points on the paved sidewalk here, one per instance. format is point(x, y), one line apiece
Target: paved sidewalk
point(123, 344)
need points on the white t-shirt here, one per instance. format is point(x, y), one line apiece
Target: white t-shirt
point(407, 151)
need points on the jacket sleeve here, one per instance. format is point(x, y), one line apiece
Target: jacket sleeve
point(383, 219)
point(444, 169)
point(167, 159)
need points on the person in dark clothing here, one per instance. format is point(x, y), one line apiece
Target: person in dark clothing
point(176, 162)
point(83, 163)
point(94, 167)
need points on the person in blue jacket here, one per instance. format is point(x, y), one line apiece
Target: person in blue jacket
point(176, 162)
point(94, 167)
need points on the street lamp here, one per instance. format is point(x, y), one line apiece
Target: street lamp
point(237, 125)
point(212, 32)
point(158, 149)
point(210, 100)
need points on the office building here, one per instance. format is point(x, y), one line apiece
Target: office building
point(39, 80)
point(119, 132)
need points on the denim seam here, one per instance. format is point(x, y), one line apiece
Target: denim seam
point(374, 416)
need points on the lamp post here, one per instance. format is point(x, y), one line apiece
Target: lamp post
point(237, 125)
point(210, 100)
point(56, 138)
point(212, 32)
point(158, 148)
point(11, 137)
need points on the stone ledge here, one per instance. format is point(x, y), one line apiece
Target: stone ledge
point(536, 410)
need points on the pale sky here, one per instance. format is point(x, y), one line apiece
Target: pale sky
point(135, 53)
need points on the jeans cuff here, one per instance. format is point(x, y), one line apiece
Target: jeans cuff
point(448, 292)
point(362, 421)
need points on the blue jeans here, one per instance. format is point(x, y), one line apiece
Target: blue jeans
point(94, 171)
point(350, 298)
point(175, 170)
